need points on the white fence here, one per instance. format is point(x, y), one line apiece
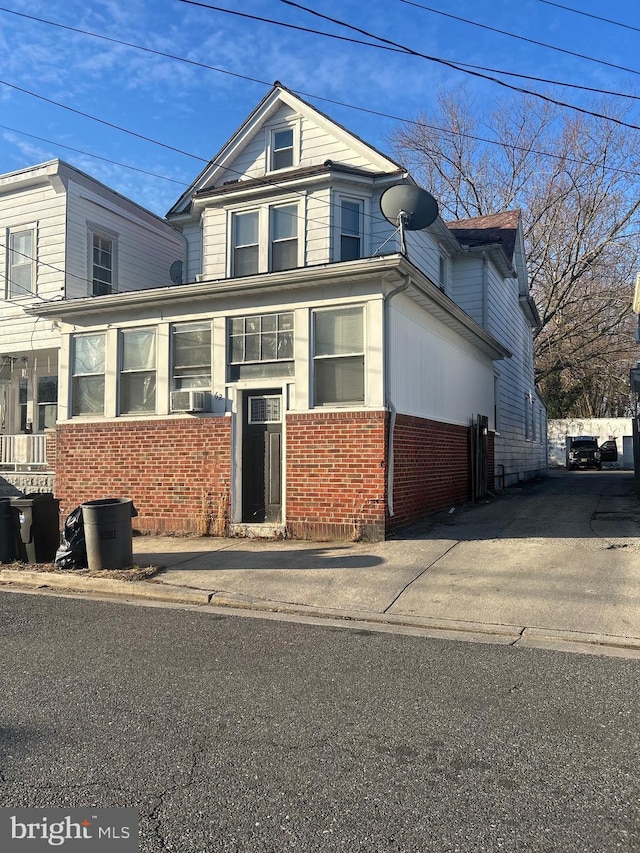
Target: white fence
point(23, 451)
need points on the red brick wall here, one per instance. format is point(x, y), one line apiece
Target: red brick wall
point(177, 471)
point(336, 475)
point(431, 468)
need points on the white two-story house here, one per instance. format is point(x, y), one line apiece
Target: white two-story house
point(63, 236)
point(309, 374)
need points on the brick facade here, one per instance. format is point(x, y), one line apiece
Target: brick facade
point(178, 470)
point(336, 475)
point(431, 468)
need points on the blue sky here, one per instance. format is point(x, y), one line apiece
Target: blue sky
point(195, 109)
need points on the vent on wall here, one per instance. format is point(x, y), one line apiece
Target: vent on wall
point(187, 401)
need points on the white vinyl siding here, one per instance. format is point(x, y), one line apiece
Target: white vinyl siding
point(146, 246)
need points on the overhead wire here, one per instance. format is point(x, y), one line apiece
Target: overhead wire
point(591, 15)
point(253, 79)
point(519, 37)
point(304, 94)
point(448, 64)
point(400, 50)
point(94, 156)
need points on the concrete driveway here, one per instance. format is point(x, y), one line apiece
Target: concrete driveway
point(554, 558)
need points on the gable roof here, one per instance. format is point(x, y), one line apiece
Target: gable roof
point(217, 171)
point(501, 228)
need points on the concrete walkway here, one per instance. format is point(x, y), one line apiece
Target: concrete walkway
point(552, 564)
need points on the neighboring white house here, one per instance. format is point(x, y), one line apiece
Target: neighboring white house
point(490, 282)
point(63, 236)
point(308, 373)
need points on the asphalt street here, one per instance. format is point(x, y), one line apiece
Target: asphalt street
point(247, 734)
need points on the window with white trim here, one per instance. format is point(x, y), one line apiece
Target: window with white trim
point(265, 240)
point(137, 371)
point(351, 220)
point(246, 243)
point(282, 142)
point(191, 356)
point(102, 265)
point(338, 357)
point(283, 236)
point(87, 370)
point(21, 262)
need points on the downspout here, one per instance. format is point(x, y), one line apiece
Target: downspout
point(387, 392)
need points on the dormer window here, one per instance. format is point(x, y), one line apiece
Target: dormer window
point(282, 148)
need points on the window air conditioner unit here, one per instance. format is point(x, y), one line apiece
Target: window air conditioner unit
point(187, 401)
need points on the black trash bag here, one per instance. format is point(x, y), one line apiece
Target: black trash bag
point(72, 553)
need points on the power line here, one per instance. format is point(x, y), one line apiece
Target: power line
point(521, 38)
point(590, 15)
point(103, 121)
point(304, 94)
point(275, 183)
point(94, 156)
point(378, 46)
point(456, 67)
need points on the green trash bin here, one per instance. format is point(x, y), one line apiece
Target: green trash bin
point(36, 520)
point(107, 533)
point(7, 532)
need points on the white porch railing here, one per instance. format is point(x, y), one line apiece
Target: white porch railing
point(23, 451)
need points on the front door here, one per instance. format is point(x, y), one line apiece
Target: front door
point(262, 457)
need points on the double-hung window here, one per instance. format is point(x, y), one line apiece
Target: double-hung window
point(282, 140)
point(88, 368)
point(284, 237)
point(339, 356)
point(137, 371)
point(191, 353)
point(47, 402)
point(246, 244)
point(21, 263)
point(264, 240)
point(103, 263)
point(351, 216)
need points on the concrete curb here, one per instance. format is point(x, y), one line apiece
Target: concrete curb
point(450, 629)
point(81, 583)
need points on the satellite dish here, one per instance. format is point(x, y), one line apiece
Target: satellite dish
point(175, 272)
point(409, 208)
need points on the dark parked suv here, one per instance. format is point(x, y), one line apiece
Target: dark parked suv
point(584, 453)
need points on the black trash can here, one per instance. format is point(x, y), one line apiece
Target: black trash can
point(7, 532)
point(36, 519)
point(107, 533)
